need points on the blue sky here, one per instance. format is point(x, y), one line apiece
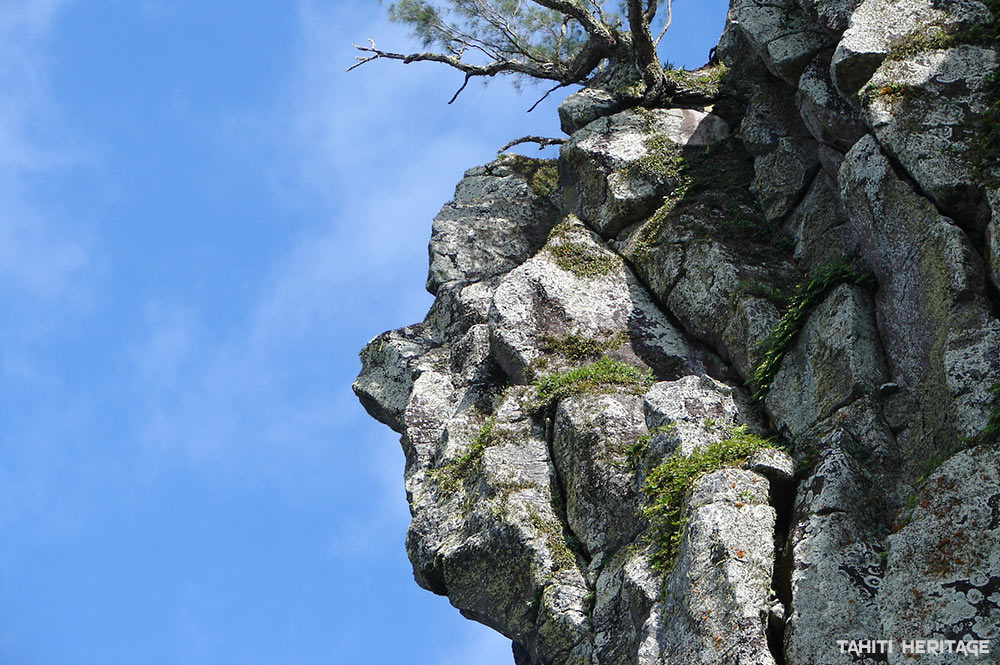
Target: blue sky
point(202, 220)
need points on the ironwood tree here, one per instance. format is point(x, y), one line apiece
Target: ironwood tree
point(563, 41)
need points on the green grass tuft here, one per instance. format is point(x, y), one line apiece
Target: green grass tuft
point(592, 377)
point(668, 485)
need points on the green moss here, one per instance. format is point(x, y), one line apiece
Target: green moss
point(886, 90)
point(805, 296)
point(578, 347)
point(669, 484)
point(934, 38)
point(452, 476)
point(713, 185)
point(593, 377)
point(542, 174)
point(759, 289)
point(583, 261)
point(662, 162)
point(707, 84)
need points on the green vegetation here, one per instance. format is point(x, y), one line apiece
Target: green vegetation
point(804, 298)
point(451, 476)
point(759, 289)
point(707, 84)
point(662, 162)
point(635, 452)
point(578, 347)
point(668, 485)
point(592, 377)
point(583, 261)
point(713, 184)
point(542, 174)
point(893, 90)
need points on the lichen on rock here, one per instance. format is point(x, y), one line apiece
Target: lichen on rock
point(587, 470)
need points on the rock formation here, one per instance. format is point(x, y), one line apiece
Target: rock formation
point(720, 384)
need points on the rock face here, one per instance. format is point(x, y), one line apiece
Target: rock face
point(723, 388)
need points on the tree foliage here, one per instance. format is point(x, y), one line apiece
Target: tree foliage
point(563, 41)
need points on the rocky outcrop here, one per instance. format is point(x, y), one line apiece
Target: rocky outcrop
point(719, 385)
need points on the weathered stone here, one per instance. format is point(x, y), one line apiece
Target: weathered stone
point(390, 364)
point(833, 15)
point(771, 115)
point(833, 561)
point(936, 325)
point(827, 115)
point(781, 176)
point(877, 25)
point(713, 274)
point(578, 287)
point(617, 169)
point(585, 106)
point(696, 411)
point(591, 436)
point(943, 575)
point(834, 361)
point(728, 545)
point(781, 34)
point(819, 225)
point(993, 238)
point(923, 110)
point(500, 216)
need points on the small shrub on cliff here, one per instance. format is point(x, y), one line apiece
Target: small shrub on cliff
point(451, 476)
point(668, 485)
point(605, 372)
point(804, 298)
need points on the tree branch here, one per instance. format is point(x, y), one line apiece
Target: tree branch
point(666, 26)
point(551, 73)
point(540, 140)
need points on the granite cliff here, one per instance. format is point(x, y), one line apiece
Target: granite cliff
point(720, 384)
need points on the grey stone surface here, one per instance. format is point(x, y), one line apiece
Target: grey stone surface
point(541, 301)
point(929, 126)
point(934, 319)
point(943, 574)
point(835, 360)
point(819, 225)
point(782, 176)
point(617, 169)
point(781, 35)
point(876, 25)
point(494, 223)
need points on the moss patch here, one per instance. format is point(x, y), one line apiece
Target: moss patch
point(583, 261)
point(452, 476)
point(713, 185)
point(597, 376)
point(669, 484)
point(542, 174)
point(662, 162)
point(708, 83)
point(579, 347)
point(805, 296)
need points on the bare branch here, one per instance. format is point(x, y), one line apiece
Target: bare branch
point(550, 91)
point(540, 140)
point(666, 26)
point(459, 91)
point(551, 72)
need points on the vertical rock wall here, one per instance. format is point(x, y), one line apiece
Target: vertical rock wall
point(585, 461)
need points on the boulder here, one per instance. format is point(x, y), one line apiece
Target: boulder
point(618, 169)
